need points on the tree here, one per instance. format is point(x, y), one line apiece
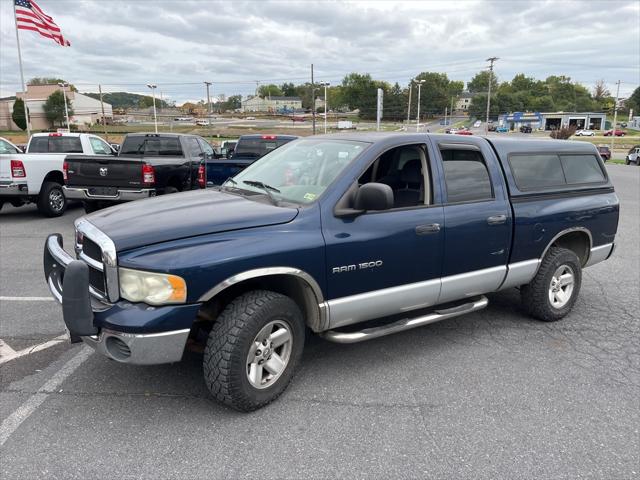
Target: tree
point(393, 107)
point(634, 101)
point(359, 91)
point(18, 116)
point(54, 108)
point(434, 93)
point(480, 83)
point(270, 90)
point(49, 81)
point(288, 89)
point(234, 102)
point(600, 91)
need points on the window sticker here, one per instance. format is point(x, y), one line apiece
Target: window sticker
point(309, 196)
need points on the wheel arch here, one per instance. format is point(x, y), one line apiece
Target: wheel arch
point(296, 284)
point(54, 176)
point(577, 239)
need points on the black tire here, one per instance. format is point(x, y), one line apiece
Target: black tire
point(1, 204)
point(169, 190)
point(536, 295)
point(90, 207)
point(627, 162)
point(233, 334)
point(17, 203)
point(51, 201)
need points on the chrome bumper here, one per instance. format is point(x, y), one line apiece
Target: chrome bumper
point(10, 188)
point(134, 348)
point(82, 193)
point(140, 348)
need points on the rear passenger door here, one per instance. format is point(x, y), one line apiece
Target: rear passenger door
point(477, 218)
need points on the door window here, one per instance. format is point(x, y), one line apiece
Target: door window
point(193, 147)
point(402, 169)
point(100, 147)
point(5, 147)
point(466, 176)
point(208, 149)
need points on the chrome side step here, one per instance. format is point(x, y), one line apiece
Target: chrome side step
point(405, 323)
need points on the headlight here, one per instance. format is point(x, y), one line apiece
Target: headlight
point(151, 288)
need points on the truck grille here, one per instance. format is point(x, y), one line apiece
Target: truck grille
point(103, 277)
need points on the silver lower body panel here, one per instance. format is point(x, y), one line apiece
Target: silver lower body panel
point(600, 254)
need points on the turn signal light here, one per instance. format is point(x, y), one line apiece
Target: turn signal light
point(148, 174)
point(202, 182)
point(65, 171)
point(17, 169)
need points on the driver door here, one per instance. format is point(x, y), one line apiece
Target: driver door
point(387, 262)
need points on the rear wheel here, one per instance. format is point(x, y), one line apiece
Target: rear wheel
point(168, 190)
point(51, 200)
point(253, 349)
point(553, 291)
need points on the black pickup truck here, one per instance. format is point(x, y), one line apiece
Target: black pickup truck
point(147, 165)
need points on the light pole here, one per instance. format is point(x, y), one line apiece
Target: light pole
point(208, 84)
point(325, 85)
point(409, 105)
point(66, 109)
point(153, 87)
point(615, 118)
point(419, 83)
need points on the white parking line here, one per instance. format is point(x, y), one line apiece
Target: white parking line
point(27, 299)
point(13, 421)
point(7, 353)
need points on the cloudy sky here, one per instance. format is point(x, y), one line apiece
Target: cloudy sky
point(178, 44)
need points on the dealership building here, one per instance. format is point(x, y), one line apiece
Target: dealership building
point(553, 120)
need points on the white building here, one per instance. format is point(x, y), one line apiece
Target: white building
point(271, 104)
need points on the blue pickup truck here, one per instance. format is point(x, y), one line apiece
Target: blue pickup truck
point(247, 150)
point(349, 236)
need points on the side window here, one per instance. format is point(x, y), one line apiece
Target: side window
point(5, 147)
point(99, 147)
point(208, 149)
point(39, 145)
point(581, 169)
point(536, 171)
point(402, 169)
point(193, 148)
point(466, 176)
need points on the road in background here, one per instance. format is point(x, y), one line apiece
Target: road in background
point(493, 394)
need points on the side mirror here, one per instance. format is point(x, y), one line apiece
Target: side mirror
point(224, 152)
point(115, 147)
point(370, 196)
point(374, 196)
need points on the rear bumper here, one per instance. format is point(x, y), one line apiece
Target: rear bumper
point(124, 195)
point(13, 189)
point(125, 332)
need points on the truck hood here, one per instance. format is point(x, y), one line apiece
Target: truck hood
point(182, 215)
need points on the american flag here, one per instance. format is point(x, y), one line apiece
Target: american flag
point(29, 16)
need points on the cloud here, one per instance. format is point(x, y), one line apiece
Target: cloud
point(178, 44)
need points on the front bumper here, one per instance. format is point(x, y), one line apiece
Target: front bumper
point(82, 193)
point(125, 332)
point(13, 189)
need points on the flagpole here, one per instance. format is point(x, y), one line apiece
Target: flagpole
point(24, 88)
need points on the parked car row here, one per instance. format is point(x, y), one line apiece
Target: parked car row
point(59, 167)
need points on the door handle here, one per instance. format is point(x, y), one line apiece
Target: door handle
point(427, 229)
point(497, 220)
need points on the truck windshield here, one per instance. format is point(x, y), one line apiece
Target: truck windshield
point(151, 145)
point(300, 171)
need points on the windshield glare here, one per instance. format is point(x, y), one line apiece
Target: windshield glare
point(300, 170)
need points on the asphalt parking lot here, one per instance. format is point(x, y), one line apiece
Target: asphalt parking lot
point(490, 395)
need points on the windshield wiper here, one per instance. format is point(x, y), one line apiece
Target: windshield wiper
point(230, 180)
point(267, 188)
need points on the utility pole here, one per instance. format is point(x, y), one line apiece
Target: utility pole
point(486, 123)
point(419, 82)
point(104, 122)
point(409, 104)
point(615, 118)
point(313, 101)
point(325, 85)
point(208, 84)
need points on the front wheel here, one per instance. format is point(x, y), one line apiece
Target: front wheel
point(91, 206)
point(553, 291)
point(253, 350)
point(51, 200)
